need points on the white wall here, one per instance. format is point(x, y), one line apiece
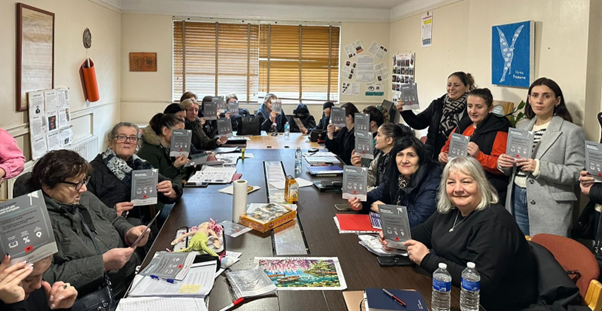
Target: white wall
point(566, 49)
point(71, 18)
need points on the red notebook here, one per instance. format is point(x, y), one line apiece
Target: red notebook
point(354, 223)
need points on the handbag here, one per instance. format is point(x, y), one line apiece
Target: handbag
point(584, 228)
point(249, 126)
point(317, 134)
point(102, 299)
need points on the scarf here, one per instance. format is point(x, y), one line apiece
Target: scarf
point(383, 162)
point(403, 182)
point(452, 109)
point(123, 169)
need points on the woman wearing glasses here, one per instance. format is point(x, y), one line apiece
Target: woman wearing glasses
point(112, 176)
point(91, 239)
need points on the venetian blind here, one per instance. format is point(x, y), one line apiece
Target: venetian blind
point(298, 63)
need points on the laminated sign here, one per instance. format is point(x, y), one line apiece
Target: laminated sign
point(395, 225)
point(224, 127)
point(180, 143)
point(233, 108)
point(219, 100)
point(355, 182)
point(210, 111)
point(337, 116)
point(25, 229)
point(276, 105)
point(362, 122)
point(593, 159)
point(520, 143)
point(144, 187)
point(363, 144)
point(458, 146)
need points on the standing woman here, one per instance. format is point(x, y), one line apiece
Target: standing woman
point(488, 137)
point(540, 193)
point(443, 114)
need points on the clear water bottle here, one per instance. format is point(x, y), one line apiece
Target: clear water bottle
point(471, 286)
point(298, 156)
point(441, 298)
point(287, 129)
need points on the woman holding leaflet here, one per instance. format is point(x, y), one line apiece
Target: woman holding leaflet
point(540, 192)
point(443, 114)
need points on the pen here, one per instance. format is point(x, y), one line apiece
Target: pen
point(394, 297)
point(233, 304)
point(154, 277)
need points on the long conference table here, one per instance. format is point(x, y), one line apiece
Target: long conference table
point(315, 213)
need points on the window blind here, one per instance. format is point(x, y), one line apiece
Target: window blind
point(298, 63)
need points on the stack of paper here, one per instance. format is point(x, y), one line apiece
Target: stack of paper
point(174, 266)
point(322, 159)
point(161, 304)
point(213, 175)
point(197, 283)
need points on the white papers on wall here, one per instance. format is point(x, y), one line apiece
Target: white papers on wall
point(403, 73)
point(377, 50)
point(365, 68)
point(351, 50)
point(426, 28)
point(350, 88)
point(49, 121)
point(349, 69)
point(381, 71)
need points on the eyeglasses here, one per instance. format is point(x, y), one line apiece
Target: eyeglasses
point(79, 185)
point(124, 138)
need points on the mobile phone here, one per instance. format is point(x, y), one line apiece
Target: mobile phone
point(342, 207)
point(393, 261)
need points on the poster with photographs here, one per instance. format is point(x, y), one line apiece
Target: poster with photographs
point(349, 69)
point(48, 117)
point(354, 48)
point(350, 88)
point(403, 73)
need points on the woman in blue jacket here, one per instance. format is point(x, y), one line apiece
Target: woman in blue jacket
point(413, 182)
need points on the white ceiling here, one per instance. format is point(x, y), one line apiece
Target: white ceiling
point(376, 4)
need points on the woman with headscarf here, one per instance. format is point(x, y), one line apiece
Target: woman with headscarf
point(302, 113)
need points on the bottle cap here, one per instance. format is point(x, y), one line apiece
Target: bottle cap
point(442, 266)
point(471, 265)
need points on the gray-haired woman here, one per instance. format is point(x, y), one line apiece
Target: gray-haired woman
point(269, 116)
point(470, 226)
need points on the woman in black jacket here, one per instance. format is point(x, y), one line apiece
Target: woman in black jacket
point(268, 117)
point(325, 120)
point(342, 142)
point(302, 113)
point(443, 114)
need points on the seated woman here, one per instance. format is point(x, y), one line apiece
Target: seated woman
point(111, 178)
point(386, 136)
point(488, 136)
point(412, 181)
point(234, 116)
point(200, 140)
point(156, 140)
point(81, 223)
point(302, 113)
point(11, 157)
point(210, 126)
point(376, 118)
point(325, 120)
point(470, 225)
point(343, 142)
point(270, 117)
point(177, 110)
point(22, 288)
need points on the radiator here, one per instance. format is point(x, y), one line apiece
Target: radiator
point(87, 148)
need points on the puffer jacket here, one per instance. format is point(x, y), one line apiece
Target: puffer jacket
point(200, 140)
point(158, 156)
point(110, 190)
point(77, 262)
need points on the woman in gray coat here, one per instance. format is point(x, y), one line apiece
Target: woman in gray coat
point(541, 192)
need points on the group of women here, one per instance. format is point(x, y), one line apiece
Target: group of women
point(455, 207)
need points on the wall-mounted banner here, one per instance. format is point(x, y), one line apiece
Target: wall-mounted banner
point(512, 54)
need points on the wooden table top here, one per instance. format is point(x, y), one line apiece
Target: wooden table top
point(282, 142)
point(316, 211)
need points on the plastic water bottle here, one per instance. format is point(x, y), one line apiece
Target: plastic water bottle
point(287, 129)
point(441, 298)
point(471, 286)
point(298, 156)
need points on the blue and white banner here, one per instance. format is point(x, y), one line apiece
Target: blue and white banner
point(512, 54)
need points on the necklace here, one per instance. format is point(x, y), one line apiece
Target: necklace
point(452, 228)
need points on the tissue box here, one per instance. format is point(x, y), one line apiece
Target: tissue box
point(266, 216)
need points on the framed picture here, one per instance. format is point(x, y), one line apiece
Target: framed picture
point(143, 61)
point(35, 52)
point(512, 54)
